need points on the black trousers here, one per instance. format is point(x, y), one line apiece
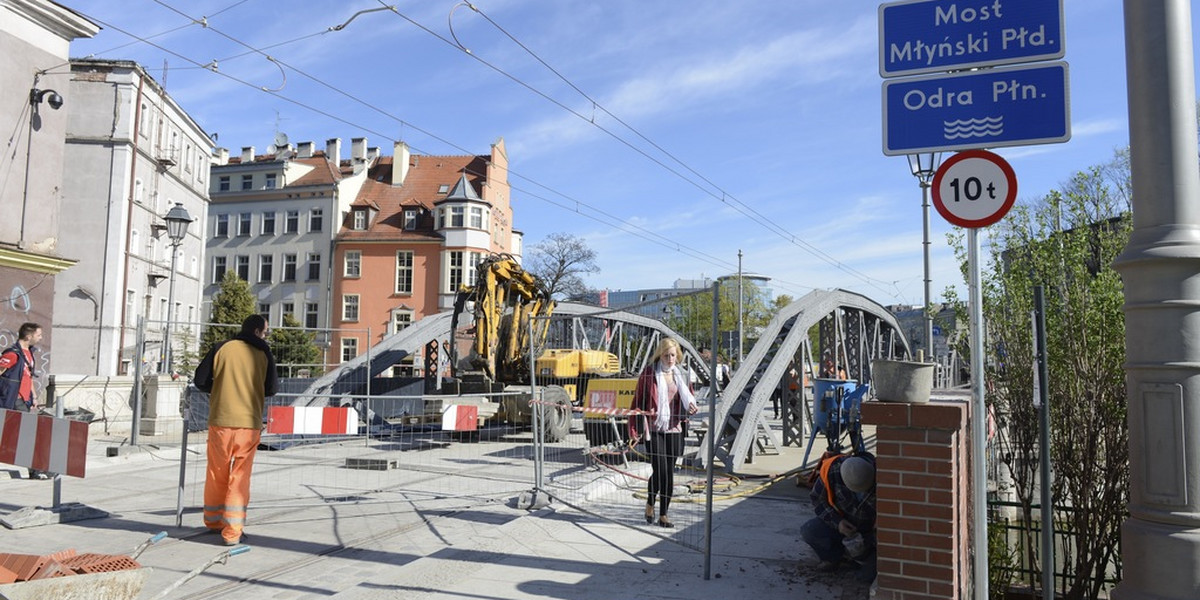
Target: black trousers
point(664, 450)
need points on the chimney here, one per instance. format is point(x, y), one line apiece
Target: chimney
point(221, 155)
point(304, 150)
point(247, 154)
point(400, 156)
point(333, 151)
point(358, 154)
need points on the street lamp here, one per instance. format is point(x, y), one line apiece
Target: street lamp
point(177, 220)
point(923, 167)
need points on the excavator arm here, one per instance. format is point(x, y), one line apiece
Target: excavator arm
point(507, 299)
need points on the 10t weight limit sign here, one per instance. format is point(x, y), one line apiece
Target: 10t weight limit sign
point(975, 188)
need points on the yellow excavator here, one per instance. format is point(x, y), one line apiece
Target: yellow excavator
point(511, 309)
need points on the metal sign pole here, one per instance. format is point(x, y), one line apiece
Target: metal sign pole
point(712, 433)
point(978, 419)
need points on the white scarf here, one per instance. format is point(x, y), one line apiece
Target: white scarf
point(663, 421)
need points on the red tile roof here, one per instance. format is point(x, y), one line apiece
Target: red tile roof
point(426, 175)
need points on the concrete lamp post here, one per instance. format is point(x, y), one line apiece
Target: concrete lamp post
point(923, 167)
point(177, 220)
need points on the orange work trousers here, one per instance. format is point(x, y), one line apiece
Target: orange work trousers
point(227, 484)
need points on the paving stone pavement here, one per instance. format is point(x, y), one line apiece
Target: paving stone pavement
point(478, 549)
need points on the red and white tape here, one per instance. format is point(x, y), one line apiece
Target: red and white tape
point(317, 420)
point(43, 442)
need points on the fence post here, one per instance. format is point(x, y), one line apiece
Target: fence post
point(712, 431)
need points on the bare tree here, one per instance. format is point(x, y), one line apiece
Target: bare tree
point(560, 261)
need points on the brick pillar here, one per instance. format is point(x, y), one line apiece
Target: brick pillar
point(923, 481)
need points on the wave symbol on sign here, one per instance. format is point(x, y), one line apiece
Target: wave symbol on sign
point(968, 128)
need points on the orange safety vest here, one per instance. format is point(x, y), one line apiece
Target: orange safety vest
point(824, 474)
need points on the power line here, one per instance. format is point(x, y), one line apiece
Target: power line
point(612, 221)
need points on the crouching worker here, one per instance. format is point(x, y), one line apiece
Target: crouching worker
point(843, 498)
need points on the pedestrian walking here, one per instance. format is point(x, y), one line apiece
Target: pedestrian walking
point(239, 374)
point(663, 393)
point(17, 372)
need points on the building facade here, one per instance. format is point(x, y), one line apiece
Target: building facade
point(272, 221)
point(34, 103)
point(413, 237)
point(133, 155)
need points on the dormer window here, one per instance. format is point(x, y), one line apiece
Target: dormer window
point(410, 219)
point(360, 220)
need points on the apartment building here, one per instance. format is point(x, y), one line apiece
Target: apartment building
point(413, 237)
point(272, 221)
point(132, 155)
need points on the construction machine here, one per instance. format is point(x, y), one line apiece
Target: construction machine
point(511, 312)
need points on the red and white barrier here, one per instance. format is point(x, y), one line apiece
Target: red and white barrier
point(43, 442)
point(460, 417)
point(312, 420)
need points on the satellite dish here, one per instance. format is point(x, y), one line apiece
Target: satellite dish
point(281, 140)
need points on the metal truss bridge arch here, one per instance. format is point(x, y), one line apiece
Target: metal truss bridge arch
point(852, 331)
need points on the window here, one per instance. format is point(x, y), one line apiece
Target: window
point(265, 262)
point(285, 310)
point(352, 267)
point(316, 219)
point(146, 301)
point(404, 272)
point(360, 220)
point(410, 220)
point(454, 274)
point(314, 266)
point(243, 267)
point(271, 180)
point(223, 183)
point(289, 267)
point(477, 217)
point(444, 188)
point(264, 309)
point(291, 223)
point(268, 223)
point(349, 307)
point(244, 224)
point(130, 308)
point(401, 319)
point(162, 309)
point(438, 215)
point(139, 191)
point(222, 226)
point(473, 267)
point(247, 182)
point(456, 216)
point(310, 315)
point(218, 269)
point(349, 349)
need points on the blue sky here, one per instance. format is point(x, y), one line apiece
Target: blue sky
point(678, 133)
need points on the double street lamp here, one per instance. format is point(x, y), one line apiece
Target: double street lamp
point(924, 166)
point(177, 220)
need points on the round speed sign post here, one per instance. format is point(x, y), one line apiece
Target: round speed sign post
point(974, 189)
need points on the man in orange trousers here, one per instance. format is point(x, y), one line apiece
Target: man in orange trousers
point(239, 374)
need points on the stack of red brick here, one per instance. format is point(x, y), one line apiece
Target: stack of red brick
point(26, 567)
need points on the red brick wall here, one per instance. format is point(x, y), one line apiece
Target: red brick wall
point(923, 489)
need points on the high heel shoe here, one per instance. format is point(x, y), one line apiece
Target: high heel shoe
point(664, 523)
point(649, 514)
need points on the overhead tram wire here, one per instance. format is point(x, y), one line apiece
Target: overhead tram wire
point(617, 223)
point(724, 197)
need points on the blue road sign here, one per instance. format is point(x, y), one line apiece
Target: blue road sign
point(925, 36)
point(990, 108)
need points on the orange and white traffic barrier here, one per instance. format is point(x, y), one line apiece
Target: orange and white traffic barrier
point(460, 417)
point(43, 442)
point(320, 420)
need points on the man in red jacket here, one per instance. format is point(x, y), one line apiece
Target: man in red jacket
point(17, 370)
